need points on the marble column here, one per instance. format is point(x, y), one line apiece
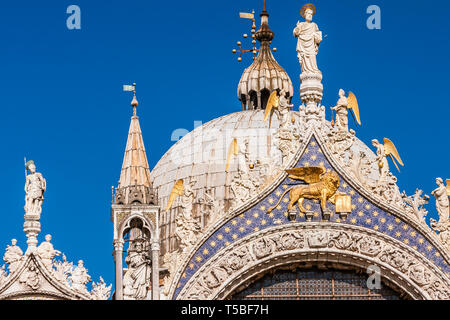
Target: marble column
point(118, 257)
point(155, 270)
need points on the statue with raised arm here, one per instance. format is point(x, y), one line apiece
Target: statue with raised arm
point(35, 187)
point(309, 38)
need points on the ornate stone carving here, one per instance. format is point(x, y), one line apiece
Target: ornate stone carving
point(340, 143)
point(215, 276)
point(213, 209)
point(317, 239)
point(172, 260)
point(414, 204)
point(263, 248)
point(31, 278)
point(13, 256)
point(243, 187)
point(80, 277)
point(289, 241)
point(62, 270)
point(288, 139)
point(237, 260)
point(247, 183)
point(100, 291)
point(373, 173)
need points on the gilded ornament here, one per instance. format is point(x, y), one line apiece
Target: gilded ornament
point(233, 150)
point(322, 185)
point(177, 190)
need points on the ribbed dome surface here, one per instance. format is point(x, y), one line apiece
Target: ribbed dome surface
point(264, 74)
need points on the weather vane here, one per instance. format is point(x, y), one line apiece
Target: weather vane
point(254, 50)
point(132, 88)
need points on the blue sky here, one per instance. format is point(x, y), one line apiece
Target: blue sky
point(63, 105)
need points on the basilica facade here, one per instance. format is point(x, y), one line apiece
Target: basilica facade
point(265, 203)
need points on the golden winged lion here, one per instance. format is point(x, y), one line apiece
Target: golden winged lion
point(321, 185)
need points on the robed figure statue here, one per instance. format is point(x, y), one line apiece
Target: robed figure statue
point(309, 38)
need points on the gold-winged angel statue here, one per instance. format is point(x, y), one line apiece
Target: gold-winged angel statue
point(321, 185)
point(281, 105)
point(342, 106)
point(233, 150)
point(384, 151)
point(177, 190)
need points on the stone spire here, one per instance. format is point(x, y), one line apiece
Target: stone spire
point(134, 184)
point(265, 74)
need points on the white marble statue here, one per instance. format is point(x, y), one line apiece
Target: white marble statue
point(243, 156)
point(187, 227)
point(13, 256)
point(442, 201)
point(309, 38)
point(284, 108)
point(187, 199)
point(341, 111)
point(136, 280)
point(47, 252)
point(35, 187)
point(80, 277)
point(214, 208)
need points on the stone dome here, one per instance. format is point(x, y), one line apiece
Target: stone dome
point(202, 154)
